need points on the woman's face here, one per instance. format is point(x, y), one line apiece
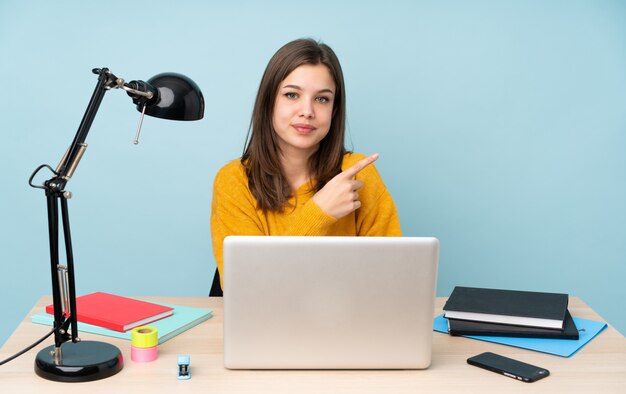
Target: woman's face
point(303, 109)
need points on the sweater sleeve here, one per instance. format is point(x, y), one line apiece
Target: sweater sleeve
point(310, 220)
point(233, 210)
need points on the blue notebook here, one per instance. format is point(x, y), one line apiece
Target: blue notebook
point(184, 318)
point(588, 329)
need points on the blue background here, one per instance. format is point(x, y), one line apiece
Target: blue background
point(501, 127)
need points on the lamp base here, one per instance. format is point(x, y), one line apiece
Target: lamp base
point(81, 362)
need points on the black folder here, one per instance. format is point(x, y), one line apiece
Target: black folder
point(467, 327)
point(523, 308)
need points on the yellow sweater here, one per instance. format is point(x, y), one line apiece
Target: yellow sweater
point(234, 210)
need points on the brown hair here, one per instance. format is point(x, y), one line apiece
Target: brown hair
point(261, 157)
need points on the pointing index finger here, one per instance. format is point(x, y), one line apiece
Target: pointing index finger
point(360, 165)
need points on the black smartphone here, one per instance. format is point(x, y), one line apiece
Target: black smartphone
point(508, 367)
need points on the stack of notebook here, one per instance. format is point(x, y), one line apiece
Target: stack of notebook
point(492, 312)
point(116, 316)
point(116, 312)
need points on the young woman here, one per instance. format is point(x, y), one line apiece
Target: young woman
point(295, 176)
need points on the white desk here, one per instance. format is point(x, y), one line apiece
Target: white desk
point(600, 367)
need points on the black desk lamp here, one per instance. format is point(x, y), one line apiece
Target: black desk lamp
point(168, 96)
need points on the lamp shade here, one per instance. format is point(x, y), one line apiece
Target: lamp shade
point(178, 98)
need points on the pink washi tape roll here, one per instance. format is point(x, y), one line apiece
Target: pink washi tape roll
point(143, 354)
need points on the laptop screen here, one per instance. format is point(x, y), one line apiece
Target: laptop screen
point(329, 302)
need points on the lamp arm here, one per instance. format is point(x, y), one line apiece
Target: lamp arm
point(63, 285)
point(69, 162)
point(134, 92)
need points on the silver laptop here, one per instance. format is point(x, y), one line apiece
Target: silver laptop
point(329, 302)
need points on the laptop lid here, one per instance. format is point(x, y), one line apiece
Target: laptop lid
point(329, 302)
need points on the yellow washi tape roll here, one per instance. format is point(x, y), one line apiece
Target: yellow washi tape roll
point(144, 337)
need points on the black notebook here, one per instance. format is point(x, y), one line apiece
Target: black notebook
point(466, 327)
point(523, 308)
